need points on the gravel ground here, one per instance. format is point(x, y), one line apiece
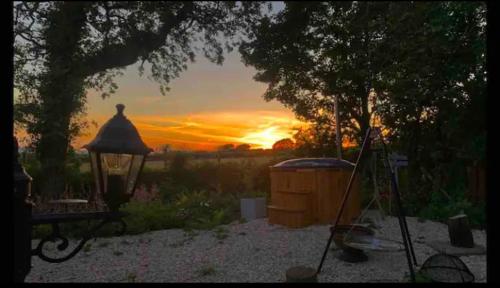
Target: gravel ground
point(249, 252)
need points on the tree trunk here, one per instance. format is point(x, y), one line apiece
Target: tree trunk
point(52, 158)
point(61, 93)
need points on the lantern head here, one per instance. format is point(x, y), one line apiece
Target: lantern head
point(117, 156)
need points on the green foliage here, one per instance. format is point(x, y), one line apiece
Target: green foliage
point(424, 62)
point(79, 184)
point(199, 212)
point(440, 208)
point(477, 215)
point(204, 196)
point(261, 180)
point(233, 179)
point(312, 51)
point(169, 191)
point(151, 216)
point(33, 168)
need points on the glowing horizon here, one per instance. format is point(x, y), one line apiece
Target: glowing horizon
point(207, 131)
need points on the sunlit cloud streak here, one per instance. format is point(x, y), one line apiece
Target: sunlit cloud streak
point(208, 131)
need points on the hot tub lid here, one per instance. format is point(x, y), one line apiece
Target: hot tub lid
point(314, 163)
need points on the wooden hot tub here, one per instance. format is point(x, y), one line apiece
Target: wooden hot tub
point(309, 191)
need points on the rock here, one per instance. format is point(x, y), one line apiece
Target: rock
point(459, 231)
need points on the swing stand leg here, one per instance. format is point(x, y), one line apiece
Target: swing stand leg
point(410, 253)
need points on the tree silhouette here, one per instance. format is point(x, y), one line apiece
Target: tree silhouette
point(63, 48)
point(425, 61)
point(312, 52)
point(315, 140)
point(284, 144)
point(242, 147)
point(226, 147)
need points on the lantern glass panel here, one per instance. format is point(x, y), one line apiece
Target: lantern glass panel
point(135, 168)
point(116, 164)
point(115, 167)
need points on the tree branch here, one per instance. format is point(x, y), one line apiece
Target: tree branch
point(140, 43)
point(34, 42)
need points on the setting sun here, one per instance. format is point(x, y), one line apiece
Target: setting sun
point(207, 131)
point(266, 138)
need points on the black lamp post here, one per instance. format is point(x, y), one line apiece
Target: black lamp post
point(22, 216)
point(117, 157)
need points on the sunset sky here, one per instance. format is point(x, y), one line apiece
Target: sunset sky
point(208, 106)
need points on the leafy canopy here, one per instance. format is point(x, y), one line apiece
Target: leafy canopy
point(94, 41)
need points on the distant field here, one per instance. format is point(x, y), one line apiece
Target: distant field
point(158, 164)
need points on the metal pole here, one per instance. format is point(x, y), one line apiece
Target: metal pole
point(337, 128)
point(366, 143)
point(22, 207)
point(395, 189)
point(401, 216)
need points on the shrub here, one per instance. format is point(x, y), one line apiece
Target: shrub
point(261, 179)
point(440, 208)
point(144, 217)
point(150, 177)
point(78, 183)
point(169, 192)
point(199, 212)
point(197, 195)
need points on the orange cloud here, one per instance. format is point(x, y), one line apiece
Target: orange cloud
point(207, 131)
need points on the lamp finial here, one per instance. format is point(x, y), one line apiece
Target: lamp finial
point(120, 108)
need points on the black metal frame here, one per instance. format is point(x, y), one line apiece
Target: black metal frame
point(25, 220)
point(410, 253)
point(56, 219)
